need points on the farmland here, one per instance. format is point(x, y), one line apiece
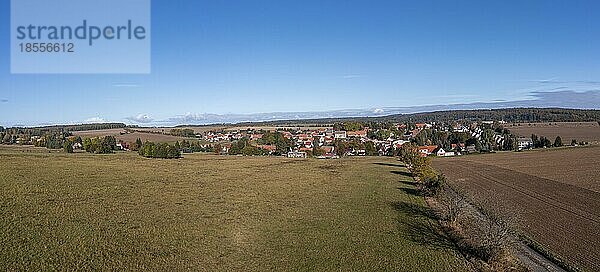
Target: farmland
point(551, 195)
point(203, 212)
point(581, 131)
point(120, 134)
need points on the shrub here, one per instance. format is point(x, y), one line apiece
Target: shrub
point(67, 147)
point(452, 205)
point(558, 142)
point(494, 238)
point(433, 185)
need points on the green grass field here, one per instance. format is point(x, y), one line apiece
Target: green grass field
point(203, 212)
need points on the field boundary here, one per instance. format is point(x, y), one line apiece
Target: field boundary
point(538, 248)
point(529, 256)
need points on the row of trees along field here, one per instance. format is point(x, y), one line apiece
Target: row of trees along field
point(543, 142)
point(484, 240)
point(186, 132)
point(431, 182)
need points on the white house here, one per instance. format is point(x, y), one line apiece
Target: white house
point(296, 154)
point(525, 143)
point(340, 135)
point(450, 154)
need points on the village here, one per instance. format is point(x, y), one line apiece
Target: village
point(356, 139)
point(331, 141)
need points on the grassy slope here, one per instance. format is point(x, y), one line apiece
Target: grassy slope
point(124, 212)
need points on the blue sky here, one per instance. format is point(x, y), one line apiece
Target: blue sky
point(226, 57)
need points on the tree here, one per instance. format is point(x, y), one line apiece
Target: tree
point(317, 151)
point(340, 148)
point(370, 149)
point(408, 154)
point(458, 137)
point(160, 150)
point(536, 141)
point(218, 149)
point(238, 146)
point(186, 132)
point(432, 185)
point(510, 143)
point(87, 145)
point(68, 147)
point(278, 139)
point(545, 142)
point(422, 168)
point(250, 150)
point(110, 142)
point(558, 142)
point(104, 145)
point(137, 145)
point(185, 145)
point(573, 142)
point(7, 139)
point(453, 204)
point(173, 152)
point(478, 145)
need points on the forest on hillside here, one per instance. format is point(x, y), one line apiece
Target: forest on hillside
point(512, 115)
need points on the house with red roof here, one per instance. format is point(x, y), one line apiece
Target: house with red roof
point(269, 148)
point(426, 150)
point(357, 134)
point(255, 136)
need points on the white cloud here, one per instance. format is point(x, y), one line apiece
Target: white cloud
point(378, 111)
point(141, 118)
point(95, 120)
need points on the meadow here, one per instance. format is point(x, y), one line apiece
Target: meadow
point(214, 213)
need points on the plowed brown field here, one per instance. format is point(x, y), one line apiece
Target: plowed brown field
point(130, 137)
point(580, 131)
point(548, 194)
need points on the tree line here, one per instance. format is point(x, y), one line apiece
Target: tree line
point(100, 145)
point(515, 115)
point(160, 150)
point(186, 132)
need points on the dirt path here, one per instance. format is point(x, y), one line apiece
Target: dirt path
point(532, 259)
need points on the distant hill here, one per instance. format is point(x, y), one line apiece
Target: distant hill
point(511, 115)
point(82, 127)
point(514, 115)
